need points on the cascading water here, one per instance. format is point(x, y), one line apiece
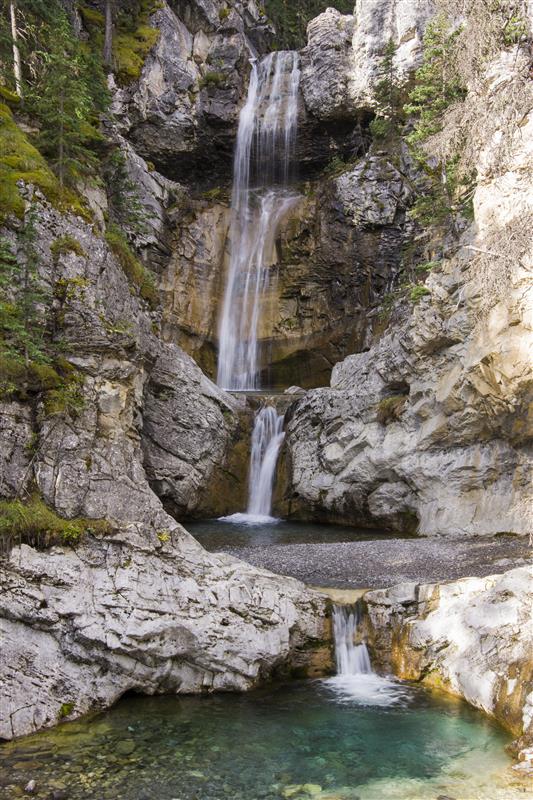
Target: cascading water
point(350, 658)
point(355, 680)
point(267, 438)
point(260, 200)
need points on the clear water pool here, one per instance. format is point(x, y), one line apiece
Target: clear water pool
point(217, 534)
point(300, 741)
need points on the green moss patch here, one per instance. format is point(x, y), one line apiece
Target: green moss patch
point(32, 522)
point(135, 271)
point(390, 409)
point(133, 41)
point(66, 244)
point(21, 161)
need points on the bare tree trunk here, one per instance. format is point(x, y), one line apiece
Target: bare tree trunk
point(17, 66)
point(108, 39)
point(61, 164)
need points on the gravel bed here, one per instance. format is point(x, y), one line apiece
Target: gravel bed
point(386, 562)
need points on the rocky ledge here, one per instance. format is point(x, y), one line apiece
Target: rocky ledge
point(81, 627)
point(472, 638)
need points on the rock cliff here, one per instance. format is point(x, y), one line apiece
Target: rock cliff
point(427, 428)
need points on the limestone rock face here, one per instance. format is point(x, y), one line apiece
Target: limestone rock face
point(183, 111)
point(377, 23)
point(432, 422)
point(472, 637)
point(326, 64)
point(155, 615)
point(189, 429)
point(341, 63)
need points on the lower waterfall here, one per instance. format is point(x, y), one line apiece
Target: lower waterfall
point(355, 680)
point(267, 438)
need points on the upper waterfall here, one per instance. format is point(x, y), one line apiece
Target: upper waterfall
point(260, 199)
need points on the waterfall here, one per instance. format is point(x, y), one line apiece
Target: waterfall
point(355, 681)
point(350, 658)
point(267, 438)
point(260, 200)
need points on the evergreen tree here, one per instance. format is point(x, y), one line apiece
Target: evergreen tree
point(437, 86)
point(125, 206)
point(67, 100)
point(388, 94)
point(22, 298)
point(437, 83)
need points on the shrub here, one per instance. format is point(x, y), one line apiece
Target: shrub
point(390, 409)
point(66, 244)
point(135, 271)
point(418, 292)
point(216, 79)
point(32, 522)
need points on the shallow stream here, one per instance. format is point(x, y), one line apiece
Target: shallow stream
point(312, 739)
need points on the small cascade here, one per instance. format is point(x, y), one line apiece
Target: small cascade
point(267, 438)
point(260, 200)
point(355, 681)
point(350, 658)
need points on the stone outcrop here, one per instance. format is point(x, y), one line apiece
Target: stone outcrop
point(182, 113)
point(431, 423)
point(154, 614)
point(195, 439)
point(472, 638)
point(342, 60)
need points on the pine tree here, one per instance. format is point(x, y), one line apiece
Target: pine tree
point(22, 298)
point(67, 100)
point(388, 95)
point(437, 86)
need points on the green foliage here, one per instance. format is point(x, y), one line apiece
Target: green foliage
point(67, 97)
point(125, 206)
point(135, 271)
point(216, 79)
point(390, 409)
point(134, 40)
point(65, 244)
point(290, 18)
point(65, 710)
point(22, 299)
point(32, 522)
point(515, 29)
point(66, 398)
point(417, 292)
point(21, 161)
point(337, 166)
point(426, 266)
point(223, 14)
point(388, 94)
point(437, 85)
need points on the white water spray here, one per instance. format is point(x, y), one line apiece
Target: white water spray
point(260, 200)
point(355, 680)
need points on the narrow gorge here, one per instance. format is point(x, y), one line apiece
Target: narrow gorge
point(266, 392)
